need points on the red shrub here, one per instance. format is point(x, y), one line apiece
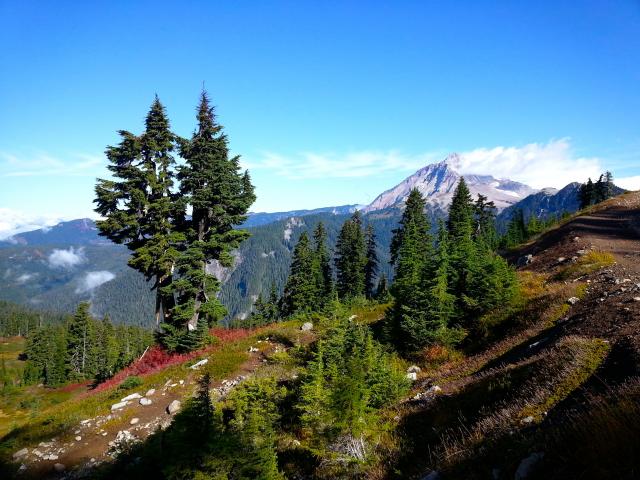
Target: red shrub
point(156, 358)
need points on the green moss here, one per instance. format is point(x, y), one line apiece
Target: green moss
point(589, 355)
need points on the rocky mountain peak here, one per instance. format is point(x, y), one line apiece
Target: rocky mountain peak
point(437, 183)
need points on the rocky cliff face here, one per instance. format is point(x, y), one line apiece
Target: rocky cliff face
point(438, 181)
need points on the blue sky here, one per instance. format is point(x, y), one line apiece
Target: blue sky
point(327, 102)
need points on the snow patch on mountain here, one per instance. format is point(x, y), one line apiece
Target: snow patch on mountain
point(437, 183)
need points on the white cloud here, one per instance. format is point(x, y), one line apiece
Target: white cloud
point(552, 164)
point(94, 279)
point(13, 222)
point(331, 165)
point(25, 277)
point(539, 165)
point(44, 164)
point(628, 183)
point(66, 258)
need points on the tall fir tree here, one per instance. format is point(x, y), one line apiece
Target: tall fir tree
point(301, 291)
point(81, 344)
point(323, 270)
point(219, 194)
point(139, 207)
point(371, 265)
point(411, 249)
point(350, 258)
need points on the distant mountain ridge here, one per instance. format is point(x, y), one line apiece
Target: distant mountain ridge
point(437, 183)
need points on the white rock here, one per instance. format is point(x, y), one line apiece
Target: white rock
point(636, 299)
point(413, 376)
point(434, 389)
point(22, 468)
point(78, 438)
point(432, 476)
point(197, 365)
point(38, 453)
point(133, 396)
point(527, 465)
point(414, 368)
point(573, 300)
point(59, 467)
point(181, 382)
point(528, 419)
point(145, 401)
point(51, 456)
point(20, 453)
point(119, 405)
point(353, 317)
point(253, 349)
point(134, 421)
point(306, 327)
point(84, 422)
point(173, 407)
point(150, 392)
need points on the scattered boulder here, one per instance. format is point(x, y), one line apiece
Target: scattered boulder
point(197, 365)
point(581, 252)
point(636, 299)
point(561, 259)
point(252, 349)
point(78, 438)
point(435, 475)
point(119, 405)
point(527, 465)
point(173, 407)
point(145, 401)
point(528, 419)
point(353, 317)
point(524, 260)
point(133, 396)
point(306, 327)
point(38, 453)
point(434, 389)
point(20, 453)
point(413, 376)
point(51, 456)
point(134, 421)
point(150, 392)
point(59, 467)
point(414, 368)
point(573, 300)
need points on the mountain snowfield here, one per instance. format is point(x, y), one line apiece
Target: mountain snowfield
point(438, 181)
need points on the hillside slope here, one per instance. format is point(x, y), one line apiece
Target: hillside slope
point(556, 395)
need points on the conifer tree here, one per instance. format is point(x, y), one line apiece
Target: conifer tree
point(485, 216)
point(138, 206)
point(371, 265)
point(81, 345)
point(301, 290)
point(587, 194)
point(411, 248)
point(322, 267)
point(382, 291)
point(220, 196)
point(350, 258)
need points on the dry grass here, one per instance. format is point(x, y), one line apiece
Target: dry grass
point(590, 262)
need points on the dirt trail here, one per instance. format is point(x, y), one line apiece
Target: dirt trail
point(98, 435)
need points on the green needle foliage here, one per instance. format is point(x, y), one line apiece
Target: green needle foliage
point(351, 258)
point(220, 196)
point(145, 208)
point(138, 206)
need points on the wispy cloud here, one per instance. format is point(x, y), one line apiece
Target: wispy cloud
point(13, 222)
point(365, 163)
point(93, 280)
point(628, 183)
point(66, 258)
point(551, 164)
point(44, 164)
